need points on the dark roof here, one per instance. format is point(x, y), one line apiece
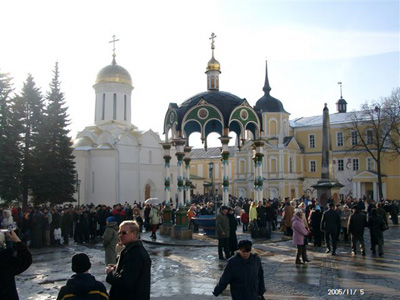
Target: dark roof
point(224, 101)
point(267, 103)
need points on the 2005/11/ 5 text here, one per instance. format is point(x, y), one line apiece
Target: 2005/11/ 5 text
point(345, 292)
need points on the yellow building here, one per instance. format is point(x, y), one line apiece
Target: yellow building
point(292, 157)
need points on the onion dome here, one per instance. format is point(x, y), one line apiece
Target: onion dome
point(213, 64)
point(267, 103)
point(114, 74)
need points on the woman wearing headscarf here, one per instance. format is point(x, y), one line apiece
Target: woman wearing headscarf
point(299, 232)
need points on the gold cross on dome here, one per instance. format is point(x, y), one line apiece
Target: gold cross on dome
point(213, 36)
point(113, 41)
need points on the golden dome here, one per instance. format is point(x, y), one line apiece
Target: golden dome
point(213, 65)
point(115, 74)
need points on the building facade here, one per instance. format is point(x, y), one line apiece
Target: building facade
point(116, 162)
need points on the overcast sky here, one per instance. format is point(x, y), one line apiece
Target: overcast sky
point(310, 46)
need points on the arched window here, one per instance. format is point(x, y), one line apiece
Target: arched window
point(115, 107)
point(272, 128)
point(125, 104)
point(103, 107)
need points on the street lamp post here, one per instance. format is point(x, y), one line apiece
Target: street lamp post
point(78, 189)
point(211, 170)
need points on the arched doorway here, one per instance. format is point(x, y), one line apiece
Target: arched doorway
point(147, 190)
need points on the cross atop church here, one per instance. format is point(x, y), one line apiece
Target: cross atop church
point(113, 41)
point(213, 36)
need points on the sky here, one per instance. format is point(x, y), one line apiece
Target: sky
point(310, 46)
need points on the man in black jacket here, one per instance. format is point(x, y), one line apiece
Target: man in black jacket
point(130, 278)
point(12, 263)
point(245, 275)
point(356, 224)
point(330, 224)
point(82, 285)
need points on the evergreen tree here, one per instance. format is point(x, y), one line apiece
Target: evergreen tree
point(30, 111)
point(54, 171)
point(10, 155)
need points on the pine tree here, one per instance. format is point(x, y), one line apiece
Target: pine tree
point(30, 111)
point(10, 155)
point(54, 170)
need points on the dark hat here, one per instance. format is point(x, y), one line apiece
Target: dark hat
point(245, 244)
point(224, 207)
point(80, 263)
point(110, 219)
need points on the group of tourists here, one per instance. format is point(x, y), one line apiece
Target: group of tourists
point(128, 264)
point(337, 222)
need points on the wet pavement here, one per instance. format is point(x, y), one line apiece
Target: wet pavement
point(190, 269)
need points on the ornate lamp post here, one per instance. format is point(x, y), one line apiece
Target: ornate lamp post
point(78, 189)
point(211, 175)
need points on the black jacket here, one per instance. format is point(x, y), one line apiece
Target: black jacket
point(12, 264)
point(83, 287)
point(357, 222)
point(131, 279)
point(246, 278)
point(330, 221)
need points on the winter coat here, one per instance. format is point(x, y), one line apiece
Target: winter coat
point(154, 216)
point(375, 224)
point(344, 218)
point(83, 287)
point(357, 222)
point(330, 221)
point(232, 232)
point(110, 240)
point(261, 216)
point(315, 220)
point(8, 220)
point(245, 276)
point(222, 226)
point(252, 213)
point(10, 266)
point(299, 230)
point(131, 278)
point(288, 215)
point(244, 218)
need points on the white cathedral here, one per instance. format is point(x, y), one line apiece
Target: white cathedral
point(115, 162)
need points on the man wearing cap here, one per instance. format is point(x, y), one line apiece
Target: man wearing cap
point(110, 240)
point(130, 278)
point(222, 228)
point(82, 284)
point(245, 275)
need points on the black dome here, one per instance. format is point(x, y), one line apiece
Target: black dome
point(224, 101)
point(267, 103)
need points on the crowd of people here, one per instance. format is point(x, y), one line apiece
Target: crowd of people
point(119, 228)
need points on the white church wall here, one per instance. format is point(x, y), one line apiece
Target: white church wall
point(103, 189)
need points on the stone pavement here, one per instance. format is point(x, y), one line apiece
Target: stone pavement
point(183, 270)
point(341, 277)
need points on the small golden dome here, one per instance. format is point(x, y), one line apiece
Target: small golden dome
point(115, 74)
point(213, 65)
